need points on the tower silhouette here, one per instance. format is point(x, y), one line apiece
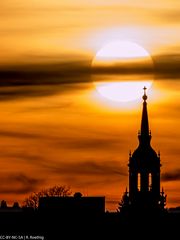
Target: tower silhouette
point(144, 171)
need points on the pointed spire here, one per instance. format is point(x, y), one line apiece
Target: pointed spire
point(144, 96)
point(144, 135)
point(144, 121)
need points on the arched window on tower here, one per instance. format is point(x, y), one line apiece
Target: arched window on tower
point(150, 182)
point(139, 181)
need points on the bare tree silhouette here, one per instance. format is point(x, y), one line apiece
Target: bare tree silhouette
point(16, 205)
point(56, 191)
point(3, 204)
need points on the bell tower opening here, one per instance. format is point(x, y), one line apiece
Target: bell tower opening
point(150, 182)
point(139, 182)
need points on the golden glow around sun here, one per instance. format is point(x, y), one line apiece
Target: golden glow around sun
point(121, 68)
point(121, 49)
point(122, 91)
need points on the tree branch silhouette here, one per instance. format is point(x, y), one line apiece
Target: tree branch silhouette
point(56, 191)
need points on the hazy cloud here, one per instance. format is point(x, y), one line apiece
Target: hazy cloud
point(107, 168)
point(46, 74)
point(171, 176)
point(167, 66)
point(96, 142)
point(77, 71)
point(25, 92)
point(89, 173)
point(43, 79)
point(170, 16)
point(18, 183)
point(17, 134)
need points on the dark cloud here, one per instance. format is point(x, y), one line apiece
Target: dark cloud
point(85, 173)
point(78, 174)
point(93, 143)
point(87, 183)
point(50, 107)
point(164, 66)
point(36, 80)
point(87, 141)
point(88, 172)
point(18, 183)
point(89, 168)
point(167, 66)
point(25, 92)
point(21, 155)
point(46, 74)
point(79, 71)
point(174, 200)
point(171, 176)
point(15, 134)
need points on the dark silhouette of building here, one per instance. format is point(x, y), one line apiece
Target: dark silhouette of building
point(77, 204)
point(144, 172)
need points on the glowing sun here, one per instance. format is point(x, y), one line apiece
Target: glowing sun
point(121, 69)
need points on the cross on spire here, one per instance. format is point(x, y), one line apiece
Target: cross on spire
point(144, 88)
point(145, 135)
point(144, 96)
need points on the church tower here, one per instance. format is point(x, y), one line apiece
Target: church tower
point(144, 170)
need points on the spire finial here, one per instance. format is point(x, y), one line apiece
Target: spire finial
point(145, 135)
point(144, 96)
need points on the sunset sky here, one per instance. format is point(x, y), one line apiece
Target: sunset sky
point(55, 127)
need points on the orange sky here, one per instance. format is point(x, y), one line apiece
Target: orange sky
point(65, 132)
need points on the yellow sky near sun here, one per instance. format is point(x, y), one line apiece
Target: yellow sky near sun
point(45, 28)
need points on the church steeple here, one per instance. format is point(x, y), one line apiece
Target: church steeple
point(144, 169)
point(144, 134)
